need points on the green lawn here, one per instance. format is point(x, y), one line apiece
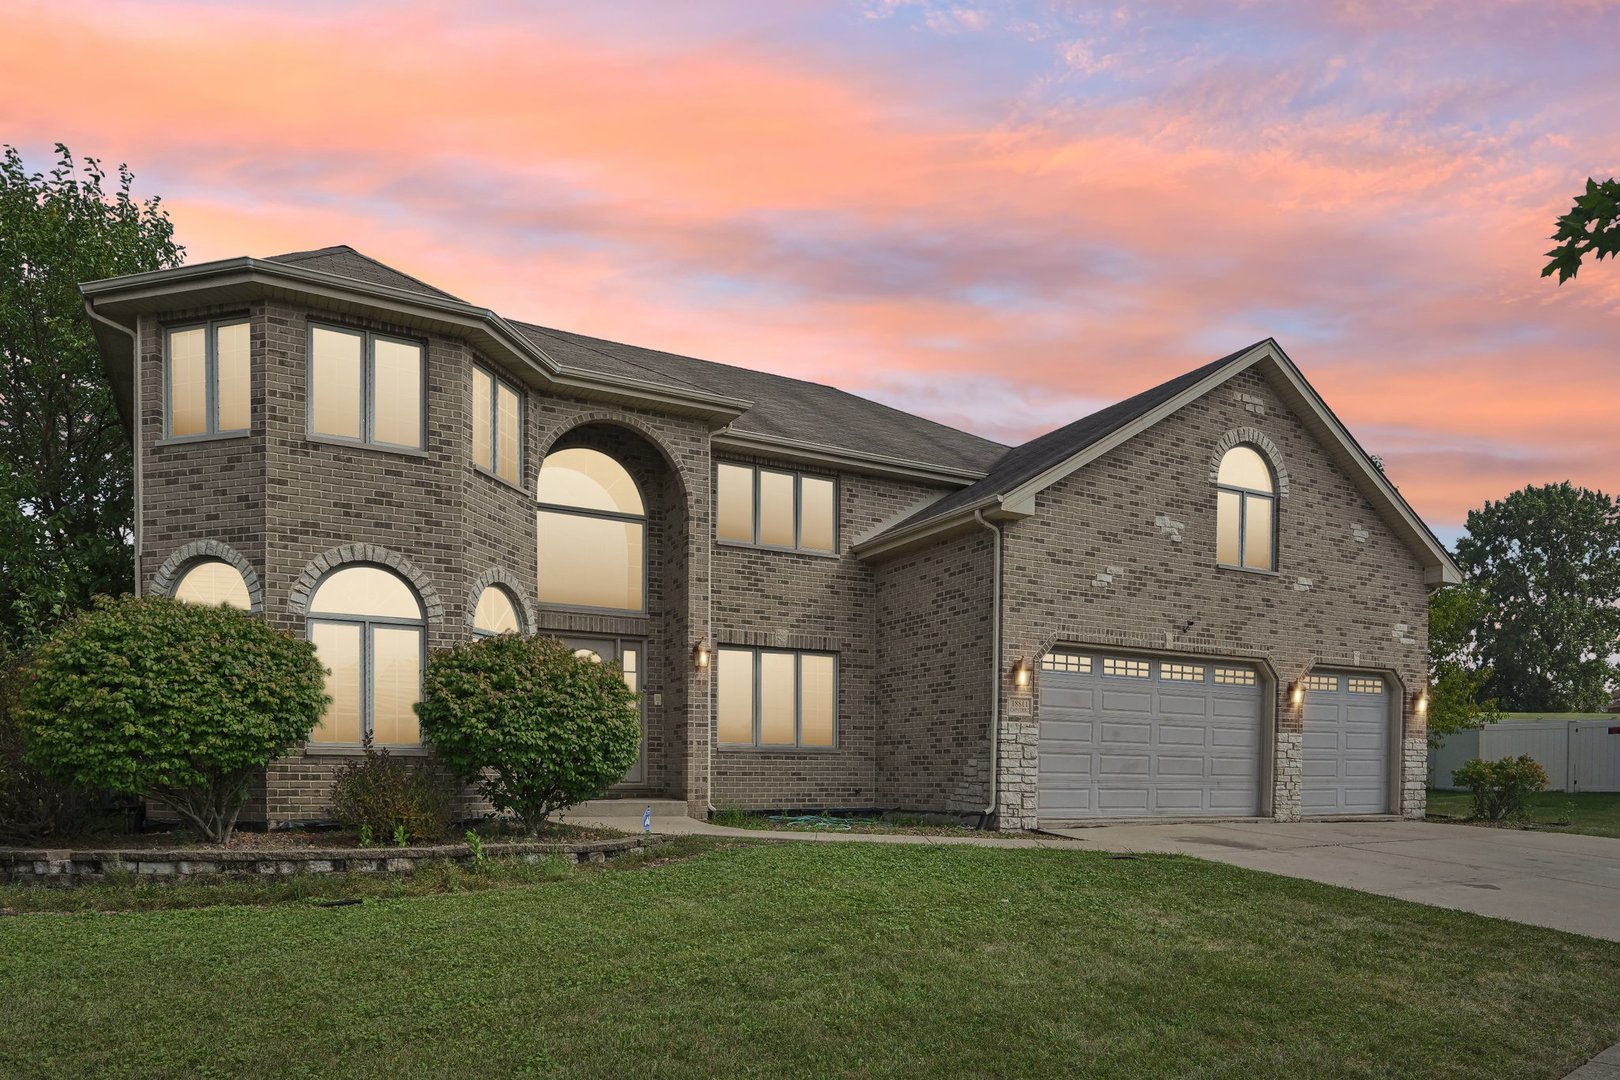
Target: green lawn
point(815, 960)
point(1595, 813)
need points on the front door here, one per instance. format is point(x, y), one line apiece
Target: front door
point(627, 653)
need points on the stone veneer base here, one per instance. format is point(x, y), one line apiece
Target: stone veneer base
point(63, 867)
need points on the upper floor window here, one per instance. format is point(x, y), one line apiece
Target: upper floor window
point(213, 582)
point(1245, 511)
point(591, 526)
point(496, 613)
point(365, 387)
point(497, 427)
point(774, 508)
point(208, 379)
point(368, 631)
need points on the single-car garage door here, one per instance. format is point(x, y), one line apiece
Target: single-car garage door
point(1346, 756)
point(1126, 736)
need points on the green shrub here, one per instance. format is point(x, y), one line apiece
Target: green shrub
point(177, 703)
point(1501, 789)
point(379, 795)
point(32, 805)
point(535, 727)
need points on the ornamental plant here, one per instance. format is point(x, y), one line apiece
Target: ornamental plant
point(178, 703)
point(32, 805)
point(1502, 788)
point(380, 793)
point(536, 728)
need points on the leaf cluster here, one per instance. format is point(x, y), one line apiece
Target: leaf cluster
point(1592, 227)
point(535, 727)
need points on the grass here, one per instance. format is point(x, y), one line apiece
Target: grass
point(785, 959)
point(1594, 813)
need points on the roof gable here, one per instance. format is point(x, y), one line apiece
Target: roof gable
point(1009, 488)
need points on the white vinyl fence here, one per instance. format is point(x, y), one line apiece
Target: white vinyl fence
point(1579, 755)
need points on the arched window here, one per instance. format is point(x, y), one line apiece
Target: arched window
point(213, 582)
point(496, 613)
point(368, 629)
point(1245, 511)
point(592, 529)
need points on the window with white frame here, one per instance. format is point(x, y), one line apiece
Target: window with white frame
point(776, 508)
point(365, 387)
point(497, 427)
point(776, 698)
point(1245, 511)
point(206, 379)
point(369, 634)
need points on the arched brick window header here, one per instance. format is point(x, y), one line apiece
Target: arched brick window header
point(182, 559)
point(324, 563)
point(1248, 436)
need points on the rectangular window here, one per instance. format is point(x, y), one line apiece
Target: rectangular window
point(776, 698)
point(1181, 672)
point(776, 508)
point(1129, 669)
point(365, 387)
point(592, 562)
point(1235, 676)
point(497, 427)
point(1364, 686)
point(1322, 682)
point(338, 648)
point(1080, 665)
point(208, 369)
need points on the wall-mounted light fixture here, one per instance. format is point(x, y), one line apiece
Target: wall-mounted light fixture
point(1021, 673)
point(1420, 702)
point(1296, 693)
point(700, 656)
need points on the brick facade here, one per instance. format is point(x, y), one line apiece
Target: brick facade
point(1118, 554)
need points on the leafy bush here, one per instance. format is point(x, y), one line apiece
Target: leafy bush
point(173, 702)
point(535, 727)
point(1501, 789)
point(379, 795)
point(32, 805)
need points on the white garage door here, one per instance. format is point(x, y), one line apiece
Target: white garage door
point(1346, 756)
point(1129, 736)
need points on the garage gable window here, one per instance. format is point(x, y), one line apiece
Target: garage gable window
point(1245, 511)
point(775, 698)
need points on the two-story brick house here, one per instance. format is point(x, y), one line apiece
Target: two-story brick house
point(1204, 600)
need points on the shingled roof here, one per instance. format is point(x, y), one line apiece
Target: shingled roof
point(783, 408)
point(1027, 461)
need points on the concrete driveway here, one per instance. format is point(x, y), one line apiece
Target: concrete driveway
point(1546, 879)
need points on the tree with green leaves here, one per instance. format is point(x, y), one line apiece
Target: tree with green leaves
point(1592, 227)
point(1548, 562)
point(65, 469)
point(1457, 672)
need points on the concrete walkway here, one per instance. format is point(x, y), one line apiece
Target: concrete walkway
point(1606, 1066)
point(1556, 880)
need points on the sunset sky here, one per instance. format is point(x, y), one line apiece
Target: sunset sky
point(999, 217)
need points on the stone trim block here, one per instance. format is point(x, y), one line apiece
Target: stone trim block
point(344, 554)
point(498, 575)
point(1253, 437)
point(169, 574)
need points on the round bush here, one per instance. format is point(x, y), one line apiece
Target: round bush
point(173, 702)
point(535, 727)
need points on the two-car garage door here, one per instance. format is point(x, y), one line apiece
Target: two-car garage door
point(1138, 737)
point(1124, 736)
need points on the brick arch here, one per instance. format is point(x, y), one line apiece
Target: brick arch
point(1250, 436)
point(498, 575)
point(174, 567)
point(631, 423)
point(346, 554)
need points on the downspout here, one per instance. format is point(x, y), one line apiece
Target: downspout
point(995, 663)
point(134, 428)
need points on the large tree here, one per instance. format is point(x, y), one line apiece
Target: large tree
point(1548, 560)
point(1592, 227)
point(65, 473)
point(1457, 671)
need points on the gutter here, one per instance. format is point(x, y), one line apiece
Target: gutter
point(995, 664)
point(134, 429)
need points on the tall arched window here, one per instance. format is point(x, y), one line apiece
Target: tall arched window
point(592, 530)
point(368, 629)
point(1245, 511)
point(213, 582)
point(496, 613)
